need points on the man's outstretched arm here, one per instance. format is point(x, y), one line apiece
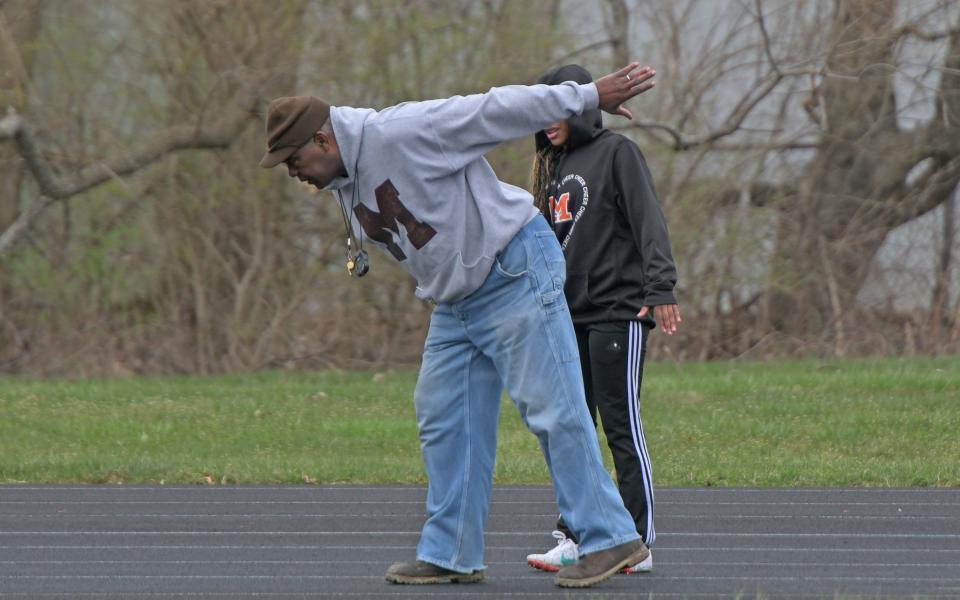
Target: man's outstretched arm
point(467, 127)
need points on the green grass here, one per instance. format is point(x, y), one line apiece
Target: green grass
point(850, 423)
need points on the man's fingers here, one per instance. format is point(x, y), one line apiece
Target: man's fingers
point(643, 311)
point(641, 75)
point(637, 90)
point(638, 85)
point(622, 85)
point(627, 69)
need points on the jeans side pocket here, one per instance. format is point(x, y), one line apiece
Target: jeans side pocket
point(512, 262)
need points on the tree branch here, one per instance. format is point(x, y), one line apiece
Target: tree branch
point(940, 140)
point(24, 222)
point(935, 189)
point(593, 46)
point(54, 187)
point(677, 137)
point(948, 96)
point(181, 137)
point(767, 45)
point(619, 22)
point(913, 30)
point(14, 127)
point(732, 123)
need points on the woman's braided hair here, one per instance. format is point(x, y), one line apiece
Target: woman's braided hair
point(540, 173)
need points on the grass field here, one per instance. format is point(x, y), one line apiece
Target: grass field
point(850, 423)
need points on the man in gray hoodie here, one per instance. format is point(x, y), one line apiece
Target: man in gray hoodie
point(419, 188)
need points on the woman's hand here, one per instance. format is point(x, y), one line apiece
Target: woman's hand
point(666, 315)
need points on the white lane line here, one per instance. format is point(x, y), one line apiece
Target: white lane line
point(66, 515)
point(840, 517)
point(540, 577)
point(331, 594)
point(419, 594)
point(548, 502)
point(247, 515)
point(237, 502)
point(203, 488)
point(950, 536)
point(257, 548)
point(818, 549)
point(671, 563)
point(209, 533)
point(426, 594)
point(227, 502)
point(107, 488)
point(202, 562)
point(784, 503)
point(490, 548)
point(804, 490)
point(326, 594)
point(35, 577)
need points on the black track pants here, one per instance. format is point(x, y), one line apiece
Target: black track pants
point(611, 357)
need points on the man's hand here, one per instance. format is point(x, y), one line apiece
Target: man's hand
point(666, 315)
point(616, 88)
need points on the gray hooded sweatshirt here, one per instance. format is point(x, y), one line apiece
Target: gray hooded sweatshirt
point(418, 186)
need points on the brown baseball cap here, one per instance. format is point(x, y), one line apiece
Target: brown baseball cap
point(291, 122)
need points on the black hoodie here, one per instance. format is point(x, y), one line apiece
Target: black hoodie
point(605, 213)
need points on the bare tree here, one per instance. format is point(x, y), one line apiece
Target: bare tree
point(798, 101)
point(172, 251)
point(199, 72)
point(19, 26)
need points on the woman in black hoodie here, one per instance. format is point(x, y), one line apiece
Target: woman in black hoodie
point(595, 190)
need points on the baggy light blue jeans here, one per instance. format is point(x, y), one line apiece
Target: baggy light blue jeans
point(514, 332)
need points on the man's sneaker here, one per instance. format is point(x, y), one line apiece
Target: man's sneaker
point(563, 555)
point(419, 572)
point(595, 567)
point(644, 566)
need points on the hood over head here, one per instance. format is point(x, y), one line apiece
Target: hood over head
point(584, 127)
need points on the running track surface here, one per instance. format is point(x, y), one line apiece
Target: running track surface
point(337, 541)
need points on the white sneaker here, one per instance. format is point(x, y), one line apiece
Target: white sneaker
point(644, 566)
point(564, 555)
